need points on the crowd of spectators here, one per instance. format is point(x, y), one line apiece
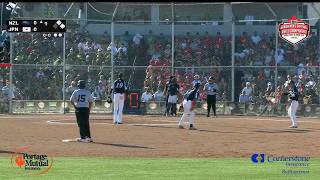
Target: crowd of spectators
point(155, 53)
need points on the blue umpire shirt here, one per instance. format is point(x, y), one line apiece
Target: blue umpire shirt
point(208, 87)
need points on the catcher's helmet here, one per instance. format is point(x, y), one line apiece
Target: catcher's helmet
point(81, 84)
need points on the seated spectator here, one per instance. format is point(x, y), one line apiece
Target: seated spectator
point(255, 38)
point(137, 39)
point(158, 95)
point(147, 95)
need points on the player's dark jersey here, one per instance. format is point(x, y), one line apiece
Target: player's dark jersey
point(191, 95)
point(173, 89)
point(119, 86)
point(293, 94)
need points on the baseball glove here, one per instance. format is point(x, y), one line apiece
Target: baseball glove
point(109, 100)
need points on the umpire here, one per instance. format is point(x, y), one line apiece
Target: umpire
point(211, 89)
point(82, 100)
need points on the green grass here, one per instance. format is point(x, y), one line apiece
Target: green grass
point(161, 168)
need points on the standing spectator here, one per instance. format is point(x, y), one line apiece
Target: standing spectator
point(246, 95)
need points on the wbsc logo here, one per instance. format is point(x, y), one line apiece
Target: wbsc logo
point(258, 158)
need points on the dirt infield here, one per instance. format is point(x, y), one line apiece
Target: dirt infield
point(158, 136)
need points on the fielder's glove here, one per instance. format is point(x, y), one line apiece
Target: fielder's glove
point(109, 100)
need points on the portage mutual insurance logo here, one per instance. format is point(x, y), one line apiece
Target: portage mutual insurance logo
point(33, 164)
point(294, 30)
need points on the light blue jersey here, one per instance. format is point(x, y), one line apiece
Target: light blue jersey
point(209, 88)
point(81, 98)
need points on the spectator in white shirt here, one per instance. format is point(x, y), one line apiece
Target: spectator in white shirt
point(158, 95)
point(137, 38)
point(279, 57)
point(112, 48)
point(123, 49)
point(255, 38)
point(147, 95)
point(246, 93)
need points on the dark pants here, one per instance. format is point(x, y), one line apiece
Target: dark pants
point(211, 102)
point(173, 108)
point(82, 115)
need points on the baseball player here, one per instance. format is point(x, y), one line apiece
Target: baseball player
point(81, 100)
point(119, 88)
point(189, 103)
point(173, 90)
point(293, 100)
point(166, 94)
point(211, 89)
point(196, 79)
point(268, 94)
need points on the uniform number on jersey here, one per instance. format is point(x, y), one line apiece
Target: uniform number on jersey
point(119, 85)
point(81, 98)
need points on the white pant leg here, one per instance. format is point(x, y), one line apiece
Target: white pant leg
point(186, 111)
point(115, 107)
point(294, 107)
point(121, 103)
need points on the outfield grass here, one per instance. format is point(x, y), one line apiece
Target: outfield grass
point(162, 168)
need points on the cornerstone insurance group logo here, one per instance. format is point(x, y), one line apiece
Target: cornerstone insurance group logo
point(294, 30)
point(25, 161)
point(257, 158)
point(290, 164)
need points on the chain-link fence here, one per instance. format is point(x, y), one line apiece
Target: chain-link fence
point(233, 42)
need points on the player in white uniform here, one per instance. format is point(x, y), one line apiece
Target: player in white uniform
point(189, 104)
point(82, 101)
point(119, 88)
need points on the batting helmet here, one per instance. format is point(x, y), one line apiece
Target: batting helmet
point(81, 84)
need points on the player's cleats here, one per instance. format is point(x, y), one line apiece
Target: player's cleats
point(181, 127)
point(294, 126)
point(89, 139)
point(192, 128)
point(81, 140)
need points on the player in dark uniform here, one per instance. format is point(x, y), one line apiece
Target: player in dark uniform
point(81, 100)
point(165, 92)
point(269, 92)
point(119, 88)
point(189, 103)
point(293, 100)
point(173, 90)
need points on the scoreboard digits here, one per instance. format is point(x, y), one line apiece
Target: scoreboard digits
point(32, 26)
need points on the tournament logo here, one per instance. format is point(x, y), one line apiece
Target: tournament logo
point(32, 164)
point(294, 30)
